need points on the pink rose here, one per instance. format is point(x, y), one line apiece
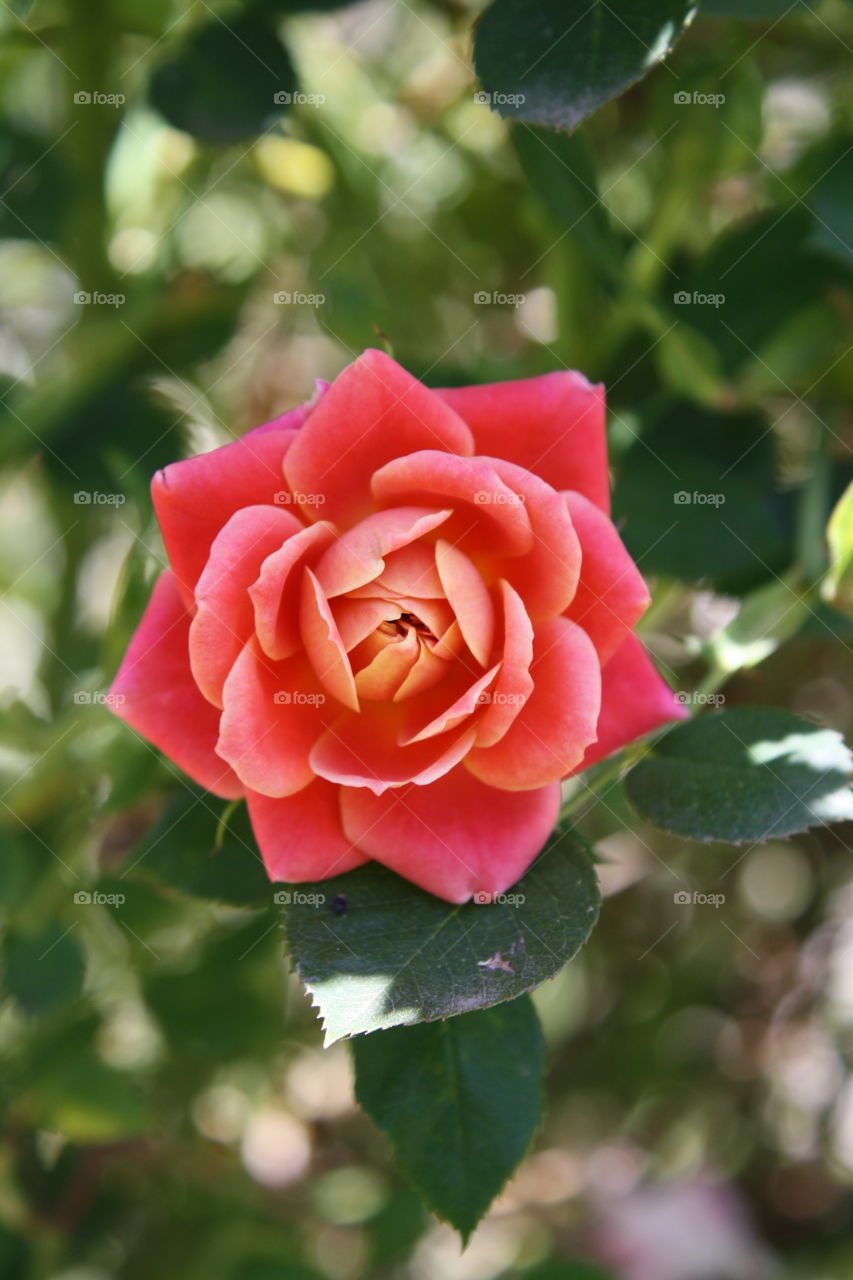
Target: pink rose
point(394, 620)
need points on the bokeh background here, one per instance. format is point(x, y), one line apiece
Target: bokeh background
point(181, 255)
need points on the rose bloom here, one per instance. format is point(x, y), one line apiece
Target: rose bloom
point(394, 620)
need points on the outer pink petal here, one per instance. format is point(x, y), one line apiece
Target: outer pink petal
point(489, 515)
point(274, 713)
point(277, 592)
point(611, 594)
point(514, 684)
point(455, 837)
point(358, 556)
point(300, 836)
point(558, 722)
point(547, 577)
point(553, 426)
point(193, 499)
point(635, 699)
point(469, 598)
point(363, 751)
point(160, 699)
point(374, 411)
point(224, 618)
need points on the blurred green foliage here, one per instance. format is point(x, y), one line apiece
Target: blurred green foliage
point(167, 1109)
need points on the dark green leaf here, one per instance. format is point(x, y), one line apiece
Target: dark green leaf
point(746, 774)
point(768, 9)
point(559, 61)
point(374, 951)
point(205, 850)
point(228, 81)
point(459, 1100)
point(831, 204)
point(695, 499)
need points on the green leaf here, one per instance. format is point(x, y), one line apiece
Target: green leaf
point(459, 1100)
point(831, 205)
point(695, 499)
point(557, 62)
point(767, 9)
point(561, 170)
point(746, 774)
point(203, 849)
point(374, 951)
point(838, 587)
point(228, 81)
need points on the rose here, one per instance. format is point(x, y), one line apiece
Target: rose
point(387, 599)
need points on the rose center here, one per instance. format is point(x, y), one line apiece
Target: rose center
point(402, 625)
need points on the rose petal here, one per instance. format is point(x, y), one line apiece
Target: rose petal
point(455, 837)
point(611, 593)
point(553, 425)
point(557, 723)
point(323, 644)
point(358, 619)
point(277, 592)
point(514, 683)
point(381, 678)
point(411, 571)
point(357, 556)
point(274, 713)
point(154, 692)
point(546, 577)
point(488, 515)
point(372, 412)
point(193, 499)
point(364, 751)
point(635, 699)
point(300, 836)
point(446, 714)
point(224, 618)
point(469, 599)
